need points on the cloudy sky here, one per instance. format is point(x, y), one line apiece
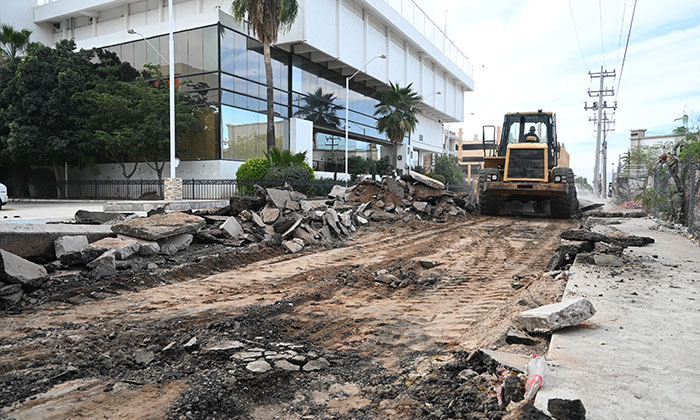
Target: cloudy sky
point(526, 56)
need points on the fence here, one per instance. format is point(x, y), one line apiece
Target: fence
point(676, 199)
point(192, 189)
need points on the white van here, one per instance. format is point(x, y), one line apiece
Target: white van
point(3, 195)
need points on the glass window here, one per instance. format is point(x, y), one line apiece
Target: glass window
point(227, 51)
point(139, 54)
point(181, 66)
point(244, 133)
point(329, 151)
point(152, 50)
point(201, 144)
point(195, 51)
point(164, 51)
point(210, 48)
point(127, 53)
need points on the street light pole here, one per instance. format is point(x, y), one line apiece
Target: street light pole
point(171, 69)
point(347, 110)
point(133, 32)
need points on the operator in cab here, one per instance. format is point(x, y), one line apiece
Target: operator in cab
point(531, 137)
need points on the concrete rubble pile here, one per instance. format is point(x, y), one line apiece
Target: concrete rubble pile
point(273, 217)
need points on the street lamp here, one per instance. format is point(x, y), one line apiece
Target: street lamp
point(347, 112)
point(133, 32)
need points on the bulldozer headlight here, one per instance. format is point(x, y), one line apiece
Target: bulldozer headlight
point(494, 177)
point(557, 178)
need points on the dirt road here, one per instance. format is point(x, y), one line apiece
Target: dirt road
point(379, 338)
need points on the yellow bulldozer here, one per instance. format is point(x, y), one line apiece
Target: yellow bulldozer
point(524, 166)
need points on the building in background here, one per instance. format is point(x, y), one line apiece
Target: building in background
point(330, 40)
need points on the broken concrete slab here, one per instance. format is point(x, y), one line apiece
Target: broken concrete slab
point(270, 214)
point(277, 198)
point(37, 240)
point(258, 220)
point(294, 246)
point(318, 364)
point(426, 180)
point(338, 191)
point(421, 206)
point(67, 244)
point(238, 204)
point(607, 260)
point(562, 409)
point(515, 335)
point(394, 187)
point(10, 295)
point(160, 226)
point(81, 257)
point(284, 223)
point(123, 247)
point(516, 362)
point(174, 244)
point(146, 248)
point(258, 366)
point(566, 254)
point(585, 205)
point(292, 205)
point(232, 227)
point(292, 228)
point(423, 192)
point(585, 235)
point(16, 270)
point(101, 217)
point(550, 318)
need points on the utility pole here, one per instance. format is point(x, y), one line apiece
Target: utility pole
point(599, 106)
point(606, 124)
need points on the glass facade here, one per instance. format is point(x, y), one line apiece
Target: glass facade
point(329, 151)
point(228, 67)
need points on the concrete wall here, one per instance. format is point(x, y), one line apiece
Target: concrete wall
point(301, 134)
point(20, 15)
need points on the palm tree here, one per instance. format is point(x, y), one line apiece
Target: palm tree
point(320, 108)
point(267, 18)
point(397, 112)
point(13, 43)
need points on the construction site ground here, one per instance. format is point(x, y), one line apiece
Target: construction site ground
point(392, 352)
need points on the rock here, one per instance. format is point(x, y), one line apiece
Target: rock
point(99, 217)
point(624, 241)
point(123, 247)
point(513, 389)
point(285, 365)
point(160, 226)
point(17, 270)
point(293, 246)
point(517, 285)
point(607, 260)
point(224, 346)
point(169, 349)
point(306, 234)
point(430, 182)
point(238, 204)
point(525, 410)
point(67, 244)
point(393, 187)
point(144, 357)
point(232, 227)
point(585, 258)
point(566, 254)
point(467, 374)
point(292, 205)
point(427, 263)
point(346, 218)
point(81, 257)
point(270, 214)
point(515, 335)
point(318, 364)
point(247, 355)
point(361, 220)
point(561, 409)
point(338, 191)
point(103, 266)
point(421, 206)
point(277, 198)
point(173, 245)
point(146, 248)
point(386, 278)
point(258, 366)
point(549, 318)
point(603, 248)
point(423, 193)
point(258, 220)
point(152, 266)
point(10, 295)
point(191, 344)
point(284, 223)
point(381, 216)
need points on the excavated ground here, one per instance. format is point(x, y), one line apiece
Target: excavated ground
point(395, 350)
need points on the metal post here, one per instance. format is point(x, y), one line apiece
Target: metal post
point(599, 133)
point(171, 69)
point(347, 116)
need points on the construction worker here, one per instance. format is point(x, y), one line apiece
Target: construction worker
point(531, 137)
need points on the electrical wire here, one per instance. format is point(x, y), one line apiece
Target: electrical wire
point(622, 31)
point(602, 48)
point(624, 57)
point(578, 40)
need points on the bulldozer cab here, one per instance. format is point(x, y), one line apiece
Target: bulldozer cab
point(530, 128)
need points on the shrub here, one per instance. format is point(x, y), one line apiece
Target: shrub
point(383, 166)
point(357, 165)
point(449, 168)
point(253, 169)
point(437, 177)
point(288, 173)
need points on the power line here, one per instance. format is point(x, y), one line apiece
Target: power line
point(602, 48)
point(622, 31)
point(578, 40)
point(624, 57)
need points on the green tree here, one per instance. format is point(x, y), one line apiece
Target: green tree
point(397, 112)
point(267, 18)
point(12, 42)
point(448, 168)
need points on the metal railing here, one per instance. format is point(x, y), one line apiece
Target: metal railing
point(410, 11)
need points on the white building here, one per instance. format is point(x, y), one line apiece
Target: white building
point(330, 40)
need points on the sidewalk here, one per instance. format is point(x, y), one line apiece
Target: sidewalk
point(637, 358)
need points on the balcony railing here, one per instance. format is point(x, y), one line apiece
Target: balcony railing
point(420, 20)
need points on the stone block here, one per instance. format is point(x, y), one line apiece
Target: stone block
point(421, 206)
point(17, 270)
point(232, 227)
point(123, 247)
point(173, 189)
point(294, 246)
point(10, 295)
point(338, 191)
point(103, 266)
point(146, 248)
point(270, 215)
point(278, 198)
point(549, 318)
point(67, 244)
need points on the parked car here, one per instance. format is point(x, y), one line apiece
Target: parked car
point(3, 195)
